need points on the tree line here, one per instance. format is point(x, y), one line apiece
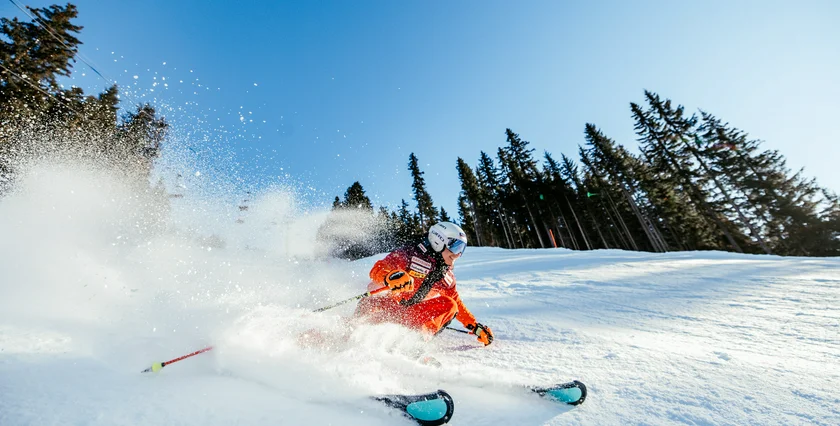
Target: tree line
point(696, 183)
point(38, 116)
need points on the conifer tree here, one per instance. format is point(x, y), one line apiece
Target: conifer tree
point(408, 224)
point(140, 134)
point(569, 173)
point(597, 218)
point(719, 205)
point(559, 194)
point(516, 158)
point(607, 192)
point(788, 205)
point(472, 203)
point(355, 198)
point(490, 183)
point(661, 130)
point(618, 165)
point(34, 58)
point(425, 207)
point(444, 217)
point(511, 204)
point(467, 219)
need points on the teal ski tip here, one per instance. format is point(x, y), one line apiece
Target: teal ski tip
point(431, 409)
point(572, 393)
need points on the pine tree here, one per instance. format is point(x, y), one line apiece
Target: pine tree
point(444, 217)
point(608, 213)
point(408, 224)
point(661, 130)
point(139, 135)
point(472, 204)
point(355, 198)
point(720, 206)
point(467, 222)
point(492, 191)
point(569, 173)
point(618, 167)
point(34, 58)
point(425, 207)
point(787, 205)
point(558, 194)
point(517, 159)
point(597, 218)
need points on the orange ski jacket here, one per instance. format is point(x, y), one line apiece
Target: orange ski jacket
point(432, 277)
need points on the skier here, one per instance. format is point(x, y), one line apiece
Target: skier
point(423, 295)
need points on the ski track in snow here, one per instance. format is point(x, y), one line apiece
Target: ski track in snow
point(687, 338)
point(91, 293)
point(693, 338)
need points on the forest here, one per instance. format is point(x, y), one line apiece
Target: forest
point(696, 183)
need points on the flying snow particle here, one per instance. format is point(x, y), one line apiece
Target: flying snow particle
point(197, 174)
point(136, 77)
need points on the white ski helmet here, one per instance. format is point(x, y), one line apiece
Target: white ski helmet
point(447, 235)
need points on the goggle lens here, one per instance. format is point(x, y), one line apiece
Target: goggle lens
point(456, 246)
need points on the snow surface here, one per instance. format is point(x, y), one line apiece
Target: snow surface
point(93, 290)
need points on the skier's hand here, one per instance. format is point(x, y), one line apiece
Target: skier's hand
point(399, 281)
point(485, 335)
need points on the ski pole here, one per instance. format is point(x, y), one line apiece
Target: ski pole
point(361, 296)
point(159, 365)
point(458, 330)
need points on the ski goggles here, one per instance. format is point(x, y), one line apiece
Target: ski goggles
point(456, 246)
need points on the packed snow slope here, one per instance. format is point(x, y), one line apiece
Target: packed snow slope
point(94, 288)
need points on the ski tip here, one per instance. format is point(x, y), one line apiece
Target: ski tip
point(431, 409)
point(582, 388)
point(572, 393)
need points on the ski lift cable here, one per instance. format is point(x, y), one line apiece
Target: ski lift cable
point(87, 61)
point(60, 39)
point(36, 87)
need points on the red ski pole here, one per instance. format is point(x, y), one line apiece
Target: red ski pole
point(159, 365)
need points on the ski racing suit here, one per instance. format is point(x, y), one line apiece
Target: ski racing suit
point(433, 303)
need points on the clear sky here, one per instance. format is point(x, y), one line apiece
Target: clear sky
point(338, 91)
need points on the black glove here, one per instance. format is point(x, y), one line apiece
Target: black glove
point(485, 335)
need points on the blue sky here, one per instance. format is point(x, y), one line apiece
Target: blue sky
point(337, 91)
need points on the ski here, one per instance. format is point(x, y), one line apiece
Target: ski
point(429, 409)
point(572, 393)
